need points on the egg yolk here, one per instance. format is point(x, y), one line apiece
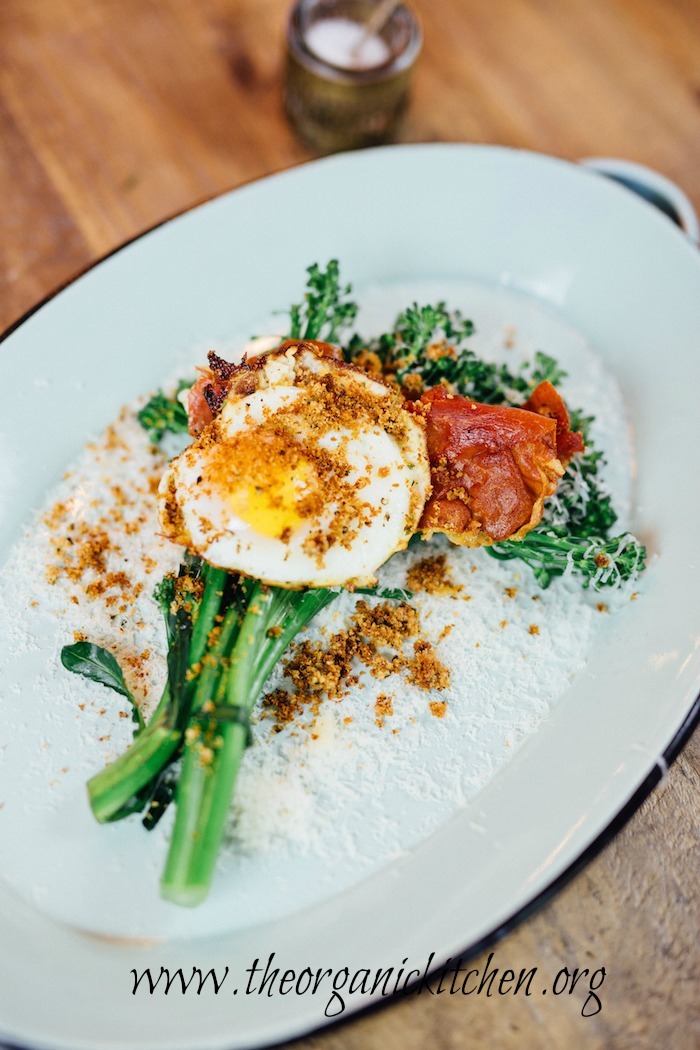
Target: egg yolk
point(270, 509)
point(269, 503)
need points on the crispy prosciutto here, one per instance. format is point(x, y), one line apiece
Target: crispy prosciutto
point(546, 401)
point(492, 467)
point(206, 397)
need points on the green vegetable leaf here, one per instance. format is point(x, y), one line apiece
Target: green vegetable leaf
point(164, 415)
point(546, 369)
point(389, 594)
point(164, 594)
point(93, 662)
point(162, 794)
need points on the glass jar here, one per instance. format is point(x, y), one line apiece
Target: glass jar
point(344, 89)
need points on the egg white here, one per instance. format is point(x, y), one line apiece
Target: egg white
point(392, 469)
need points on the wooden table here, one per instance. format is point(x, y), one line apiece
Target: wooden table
point(115, 114)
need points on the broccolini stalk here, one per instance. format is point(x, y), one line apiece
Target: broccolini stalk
point(272, 616)
point(599, 562)
point(127, 785)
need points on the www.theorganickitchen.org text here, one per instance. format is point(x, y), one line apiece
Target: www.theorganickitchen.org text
point(334, 987)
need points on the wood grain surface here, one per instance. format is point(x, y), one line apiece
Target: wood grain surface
point(115, 114)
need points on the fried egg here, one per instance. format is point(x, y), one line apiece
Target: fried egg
point(312, 477)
